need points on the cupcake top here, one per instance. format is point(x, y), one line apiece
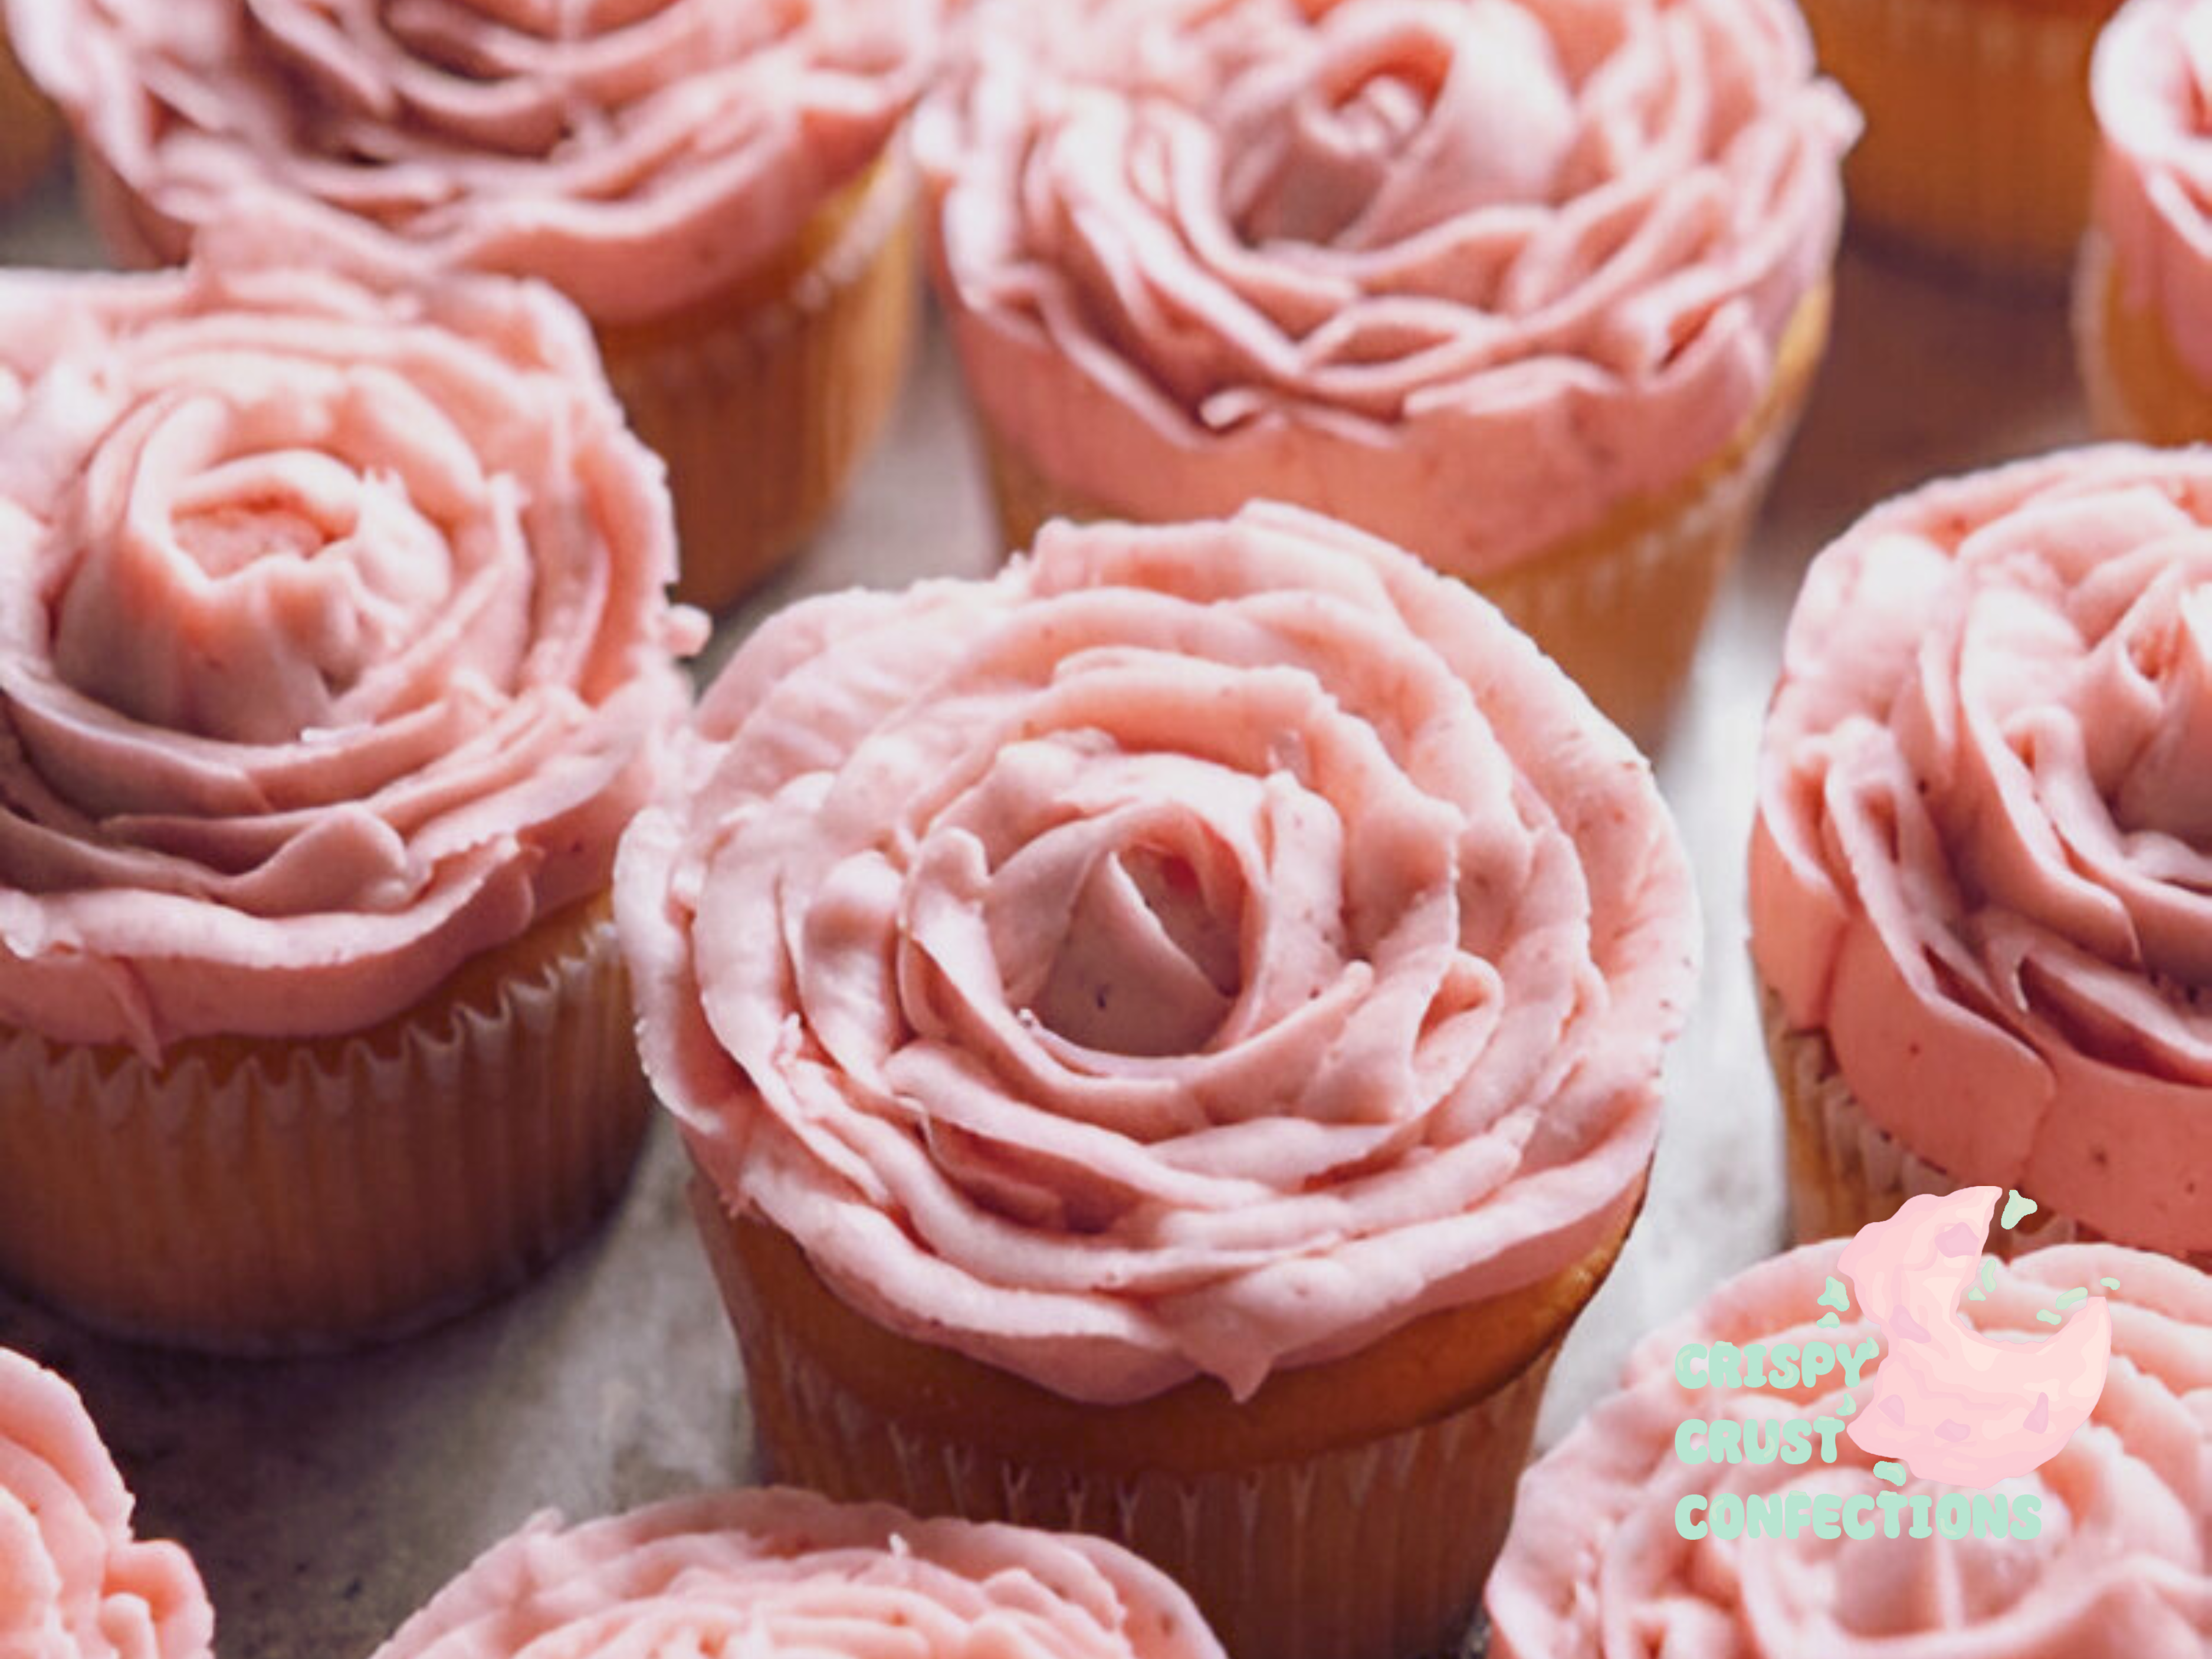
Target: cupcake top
point(334, 648)
point(640, 155)
point(74, 1583)
point(1983, 861)
point(2119, 1567)
point(1464, 272)
point(768, 1572)
point(2152, 87)
point(1200, 950)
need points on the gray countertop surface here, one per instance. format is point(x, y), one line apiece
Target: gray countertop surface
point(325, 1500)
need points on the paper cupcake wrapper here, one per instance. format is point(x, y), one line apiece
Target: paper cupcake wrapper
point(1980, 143)
point(765, 412)
point(1375, 1551)
point(30, 130)
point(2138, 387)
point(1621, 608)
point(1845, 1170)
point(322, 1195)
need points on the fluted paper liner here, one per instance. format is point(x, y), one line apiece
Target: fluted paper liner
point(1846, 1171)
point(289, 1196)
point(1980, 143)
point(764, 404)
point(1622, 607)
point(1372, 1551)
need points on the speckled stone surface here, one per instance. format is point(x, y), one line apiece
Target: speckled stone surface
point(325, 1500)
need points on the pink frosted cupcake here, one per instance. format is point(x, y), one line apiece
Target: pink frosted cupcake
point(1534, 290)
point(74, 1583)
point(1983, 848)
point(717, 184)
point(335, 655)
point(1171, 1037)
point(2117, 1564)
point(2143, 286)
point(786, 1572)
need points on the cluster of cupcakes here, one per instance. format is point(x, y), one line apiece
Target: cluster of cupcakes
point(1169, 1037)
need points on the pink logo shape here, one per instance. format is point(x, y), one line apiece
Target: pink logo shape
point(1948, 1402)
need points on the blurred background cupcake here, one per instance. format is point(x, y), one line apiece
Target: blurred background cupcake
point(778, 1571)
point(1979, 147)
point(2119, 1566)
point(74, 1583)
point(335, 655)
point(1171, 1037)
point(1980, 870)
point(2143, 290)
point(719, 184)
point(30, 131)
point(1535, 291)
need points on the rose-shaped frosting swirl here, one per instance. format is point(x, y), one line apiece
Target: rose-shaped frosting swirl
point(2120, 1569)
point(333, 644)
point(640, 155)
point(1464, 272)
point(74, 1583)
point(780, 1572)
point(1201, 949)
point(2152, 87)
point(1983, 863)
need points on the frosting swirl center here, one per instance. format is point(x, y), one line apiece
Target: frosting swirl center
point(1390, 118)
point(263, 550)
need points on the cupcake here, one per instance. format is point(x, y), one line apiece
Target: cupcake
point(334, 656)
point(2106, 1552)
point(74, 1583)
point(1983, 847)
point(1533, 290)
point(1170, 1039)
point(786, 1572)
point(2143, 291)
point(1980, 144)
point(719, 185)
point(29, 131)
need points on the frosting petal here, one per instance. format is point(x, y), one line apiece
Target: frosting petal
point(1466, 273)
point(74, 1583)
point(778, 1571)
point(2120, 1569)
point(1200, 950)
point(640, 155)
point(333, 645)
point(1982, 853)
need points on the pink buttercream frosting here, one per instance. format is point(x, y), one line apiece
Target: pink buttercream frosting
point(334, 648)
point(2152, 87)
point(640, 155)
point(1949, 1402)
point(1467, 273)
point(2120, 1569)
point(1983, 861)
point(777, 1571)
point(74, 1583)
point(1200, 950)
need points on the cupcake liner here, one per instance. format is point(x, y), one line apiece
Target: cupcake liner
point(30, 130)
point(763, 407)
point(1622, 607)
point(1377, 1550)
point(1980, 143)
point(270, 1197)
point(2138, 387)
point(1845, 1172)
